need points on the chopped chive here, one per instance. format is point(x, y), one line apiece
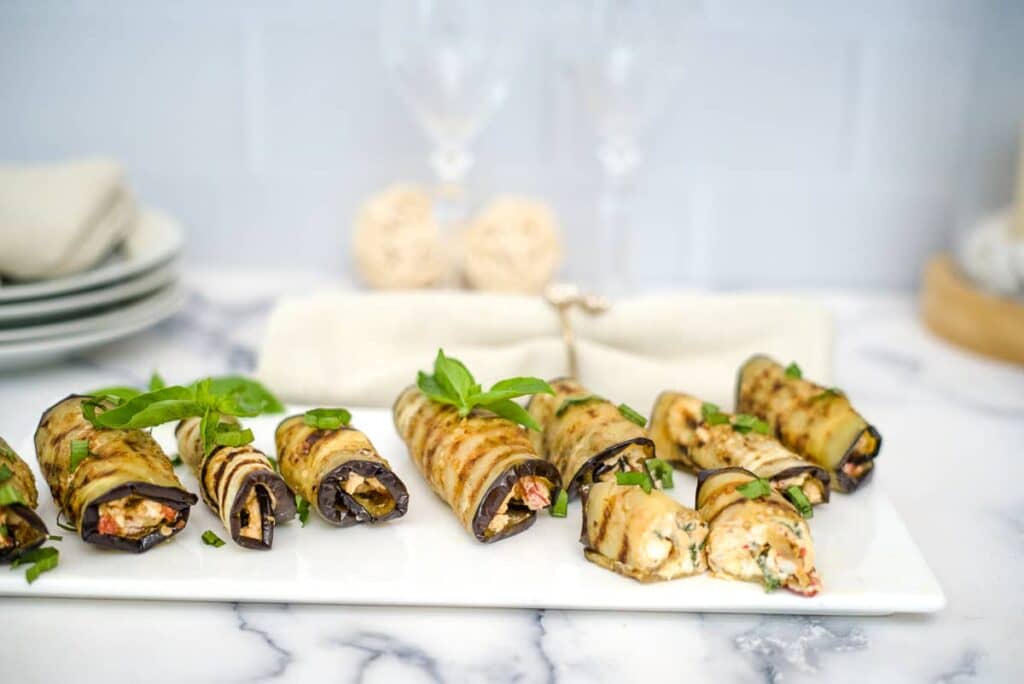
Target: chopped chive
point(800, 501)
point(210, 539)
point(639, 479)
point(631, 415)
point(793, 371)
point(42, 560)
point(9, 495)
point(660, 470)
point(79, 452)
point(569, 402)
point(755, 489)
point(54, 537)
point(327, 418)
point(560, 508)
point(176, 461)
point(302, 509)
point(5, 472)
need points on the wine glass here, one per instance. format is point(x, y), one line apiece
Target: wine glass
point(623, 57)
point(451, 61)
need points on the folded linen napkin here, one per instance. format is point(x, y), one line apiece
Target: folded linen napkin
point(59, 219)
point(361, 349)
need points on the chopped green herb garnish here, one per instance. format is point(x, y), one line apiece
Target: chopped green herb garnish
point(327, 418)
point(771, 582)
point(176, 461)
point(453, 384)
point(560, 508)
point(569, 402)
point(9, 495)
point(38, 560)
point(79, 452)
point(54, 537)
point(302, 509)
point(793, 371)
point(755, 489)
point(273, 463)
point(800, 501)
point(660, 470)
point(631, 415)
point(7, 452)
point(639, 479)
point(828, 393)
point(211, 539)
point(5, 472)
point(744, 423)
point(712, 415)
point(693, 554)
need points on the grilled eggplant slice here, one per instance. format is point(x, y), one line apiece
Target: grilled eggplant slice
point(239, 484)
point(816, 422)
point(340, 471)
point(124, 495)
point(21, 529)
point(483, 466)
point(762, 539)
point(585, 436)
point(647, 536)
point(686, 440)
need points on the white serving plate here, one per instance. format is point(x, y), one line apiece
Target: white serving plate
point(32, 312)
point(128, 321)
point(867, 560)
point(156, 240)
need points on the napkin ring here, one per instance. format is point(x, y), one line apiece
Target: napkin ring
point(564, 297)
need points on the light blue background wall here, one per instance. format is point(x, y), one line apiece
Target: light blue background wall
point(811, 142)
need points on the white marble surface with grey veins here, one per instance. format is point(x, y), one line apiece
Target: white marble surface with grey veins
point(953, 465)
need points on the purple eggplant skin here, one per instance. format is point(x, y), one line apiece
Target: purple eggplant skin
point(330, 494)
point(499, 491)
point(596, 467)
point(265, 483)
point(177, 499)
point(30, 517)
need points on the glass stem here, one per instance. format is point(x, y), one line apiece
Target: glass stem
point(620, 160)
point(451, 164)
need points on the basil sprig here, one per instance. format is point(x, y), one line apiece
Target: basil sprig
point(211, 399)
point(453, 384)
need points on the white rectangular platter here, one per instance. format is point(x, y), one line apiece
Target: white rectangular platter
point(867, 560)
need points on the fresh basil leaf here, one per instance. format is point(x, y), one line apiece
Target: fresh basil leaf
point(800, 501)
point(252, 395)
point(793, 371)
point(47, 561)
point(454, 377)
point(302, 509)
point(211, 539)
point(79, 452)
point(125, 415)
point(744, 423)
point(755, 489)
point(327, 418)
point(712, 415)
point(522, 385)
point(9, 495)
point(429, 385)
point(510, 410)
point(5, 473)
point(631, 415)
point(119, 393)
point(569, 402)
point(156, 382)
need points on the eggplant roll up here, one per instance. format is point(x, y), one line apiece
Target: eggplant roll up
point(686, 440)
point(755, 535)
point(121, 492)
point(239, 484)
point(816, 422)
point(20, 528)
point(647, 536)
point(585, 436)
point(340, 471)
point(483, 466)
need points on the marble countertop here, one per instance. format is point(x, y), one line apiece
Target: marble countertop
point(952, 466)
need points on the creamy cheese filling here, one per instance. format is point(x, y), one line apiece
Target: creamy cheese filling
point(251, 515)
point(529, 494)
point(752, 542)
point(672, 546)
point(135, 517)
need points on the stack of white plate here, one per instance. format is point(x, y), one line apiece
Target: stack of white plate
point(133, 289)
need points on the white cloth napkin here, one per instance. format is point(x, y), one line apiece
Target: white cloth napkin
point(361, 349)
point(59, 219)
